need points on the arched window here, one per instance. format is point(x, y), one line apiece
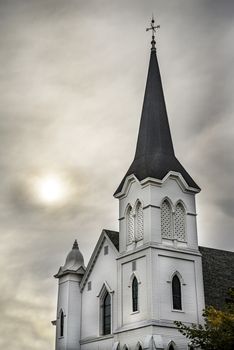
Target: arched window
point(134, 294)
point(171, 347)
point(166, 220)
point(61, 331)
point(107, 314)
point(180, 222)
point(176, 293)
point(138, 347)
point(130, 225)
point(139, 221)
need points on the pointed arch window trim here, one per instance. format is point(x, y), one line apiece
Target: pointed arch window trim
point(181, 204)
point(134, 274)
point(139, 345)
point(106, 314)
point(61, 318)
point(182, 285)
point(167, 225)
point(173, 220)
point(130, 284)
point(104, 291)
point(138, 211)
point(116, 346)
point(134, 215)
point(130, 224)
point(126, 347)
point(170, 277)
point(135, 295)
point(172, 346)
point(105, 286)
point(176, 293)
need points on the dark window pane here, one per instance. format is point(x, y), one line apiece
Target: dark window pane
point(61, 324)
point(107, 314)
point(176, 293)
point(134, 295)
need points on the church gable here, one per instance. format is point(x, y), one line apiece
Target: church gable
point(99, 289)
point(108, 239)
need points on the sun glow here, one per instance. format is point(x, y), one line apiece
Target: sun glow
point(51, 189)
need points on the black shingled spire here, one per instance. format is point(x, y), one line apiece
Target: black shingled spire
point(154, 155)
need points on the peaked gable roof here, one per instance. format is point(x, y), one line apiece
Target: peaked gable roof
point(113, 238)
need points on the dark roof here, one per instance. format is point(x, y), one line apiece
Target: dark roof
point(114, 237)
point(218, 275)
point(154, 155)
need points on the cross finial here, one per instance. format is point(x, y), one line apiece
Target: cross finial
point(153, 27)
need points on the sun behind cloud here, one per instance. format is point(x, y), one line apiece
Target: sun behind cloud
point(51, 189)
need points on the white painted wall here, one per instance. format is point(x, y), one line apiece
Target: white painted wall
point(156, 261)
point(105, 269)
point(69, 300)
point(167, 263)
point(128, 316)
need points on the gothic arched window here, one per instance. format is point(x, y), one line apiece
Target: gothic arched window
point(138, 347)
point(107, 314)
point(130, 225)
point(139, 221)
point(180, 222)
point(134, 294)
point(171, 347)
point(176, 293)
point(61, 330)
point(166, 220)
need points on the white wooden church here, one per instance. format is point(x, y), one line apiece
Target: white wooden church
point(141, 279)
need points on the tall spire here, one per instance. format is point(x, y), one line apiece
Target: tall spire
point(154, 155)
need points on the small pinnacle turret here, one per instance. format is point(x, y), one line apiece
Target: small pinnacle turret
point(74, 262)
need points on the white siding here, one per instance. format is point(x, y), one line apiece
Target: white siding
point(105, 269)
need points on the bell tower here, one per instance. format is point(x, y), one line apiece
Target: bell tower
point(157, 220)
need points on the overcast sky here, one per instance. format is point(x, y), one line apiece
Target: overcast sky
point(72, 82)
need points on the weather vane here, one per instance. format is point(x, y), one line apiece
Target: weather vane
point(153, 27)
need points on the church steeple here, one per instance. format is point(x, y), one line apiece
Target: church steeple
point(155, 155)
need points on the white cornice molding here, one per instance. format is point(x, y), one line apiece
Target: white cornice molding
point(130, 179)
point(156, 182)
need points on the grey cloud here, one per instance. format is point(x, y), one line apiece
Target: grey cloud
point(227, 206)
point(71, 95)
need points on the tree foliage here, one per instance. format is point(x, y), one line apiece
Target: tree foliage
point(217, 332)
